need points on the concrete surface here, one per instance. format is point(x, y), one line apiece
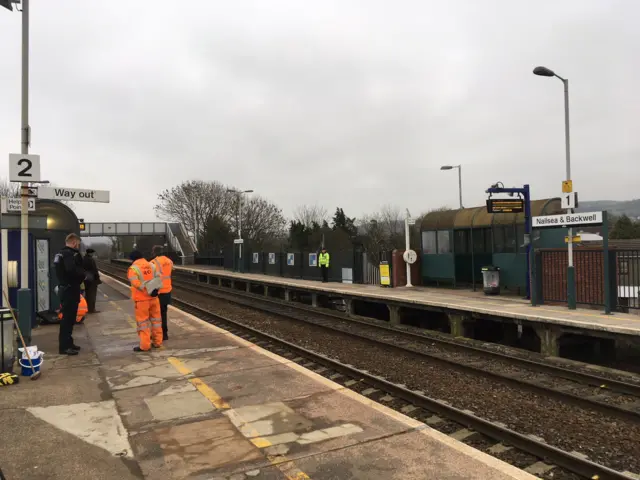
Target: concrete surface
point(475, 302)
point(208, 405)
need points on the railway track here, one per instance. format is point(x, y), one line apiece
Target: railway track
point(439, 414)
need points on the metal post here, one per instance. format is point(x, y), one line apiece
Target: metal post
point(531, 294)
point(407, 244)
point(460, 184)
point(607, 265)
point(240, 224)
point(25, 304)
point(571, 275)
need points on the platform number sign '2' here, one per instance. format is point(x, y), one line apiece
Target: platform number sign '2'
point(24, 168)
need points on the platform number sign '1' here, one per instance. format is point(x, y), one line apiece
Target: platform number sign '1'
point(24, 168)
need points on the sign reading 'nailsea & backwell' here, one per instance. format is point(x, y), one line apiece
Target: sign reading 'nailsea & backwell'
point(568, 220)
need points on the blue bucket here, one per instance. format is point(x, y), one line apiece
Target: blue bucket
point(27, 371)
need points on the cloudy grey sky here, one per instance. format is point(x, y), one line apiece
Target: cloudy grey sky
point(349, 103)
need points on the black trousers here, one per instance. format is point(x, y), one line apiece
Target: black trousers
point(70, 299)
point(325, 273)
point(165, 300)
point(91, 292)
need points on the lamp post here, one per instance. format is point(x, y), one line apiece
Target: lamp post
point(459, 167)
point(571, 277)
point(240, 193)
point(25, 304)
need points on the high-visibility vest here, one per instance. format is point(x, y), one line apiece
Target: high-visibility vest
point(164, 265)
point(83, 309)
point(140, 272)
point(323, 259)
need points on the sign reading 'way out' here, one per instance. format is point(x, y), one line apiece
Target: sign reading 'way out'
point(568, 220)
point(73, 194)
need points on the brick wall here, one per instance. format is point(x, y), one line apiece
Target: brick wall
point(589, 270)
point(399, 269)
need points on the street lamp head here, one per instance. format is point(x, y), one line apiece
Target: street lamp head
point(248, 191)
point(446, 167)
point(7, 4)
point(543, 72)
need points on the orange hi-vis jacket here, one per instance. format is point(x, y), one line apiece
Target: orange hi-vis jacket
point(140, 272)
point(164, 265)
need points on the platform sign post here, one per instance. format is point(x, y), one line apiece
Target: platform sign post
point(498, 206)
point(607, 265)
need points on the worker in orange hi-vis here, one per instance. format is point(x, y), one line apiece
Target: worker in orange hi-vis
point(145, 284)
point(163, 265)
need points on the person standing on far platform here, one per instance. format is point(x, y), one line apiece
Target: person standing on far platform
point(145, 284)
point(323, 263)
point(92, 281)
point(164, 266)
point(70, 274)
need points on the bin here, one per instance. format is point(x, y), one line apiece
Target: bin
point(7, 341)
point(491, 280)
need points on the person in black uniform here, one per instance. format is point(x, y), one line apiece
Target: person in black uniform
point(70, 273)
point(92, 281)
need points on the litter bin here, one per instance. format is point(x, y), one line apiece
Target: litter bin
point(491, 280)
point(7, 341)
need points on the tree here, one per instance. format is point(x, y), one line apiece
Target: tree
point(261, 221)
point(344, 223)
point(9, 189)
point(217, 235)
point(625, 228)
point(307, 215)
point(193, 203)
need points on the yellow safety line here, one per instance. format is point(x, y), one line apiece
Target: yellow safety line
point(286, 466)
point(132, 322)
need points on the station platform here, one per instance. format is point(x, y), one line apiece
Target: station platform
point(460, 301)
point(207, 405)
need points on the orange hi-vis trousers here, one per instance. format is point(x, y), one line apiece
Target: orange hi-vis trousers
point(149, 322)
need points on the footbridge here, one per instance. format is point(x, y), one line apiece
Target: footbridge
point(143, 235)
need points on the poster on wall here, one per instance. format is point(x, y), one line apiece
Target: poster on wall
point(291, 259)
point(272, 259)
point(42, 274)
point(313, 259)
point(256, 257)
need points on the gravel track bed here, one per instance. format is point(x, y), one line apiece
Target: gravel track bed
point(604, 439)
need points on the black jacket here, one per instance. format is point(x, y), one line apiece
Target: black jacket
point(90, 267)
point(69, 269)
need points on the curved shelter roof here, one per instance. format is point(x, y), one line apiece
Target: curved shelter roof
point(59, 216)
point(478, 217)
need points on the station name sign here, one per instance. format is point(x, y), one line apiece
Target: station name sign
point(505, 205)
point(568, 220)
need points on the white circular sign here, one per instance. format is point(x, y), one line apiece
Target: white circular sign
point(410, 256)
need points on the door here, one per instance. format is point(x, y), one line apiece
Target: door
point(42, 275)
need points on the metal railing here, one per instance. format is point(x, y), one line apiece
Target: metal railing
point(628, 279)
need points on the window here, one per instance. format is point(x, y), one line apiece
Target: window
point(481, 240)
point(461, 242)
point(444, 241)
point(429, 242)
point(520, 239)
point(498, 240)
point(510, 239)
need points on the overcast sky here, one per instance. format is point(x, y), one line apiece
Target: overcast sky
point(341, 103)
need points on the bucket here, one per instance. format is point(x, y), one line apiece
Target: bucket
point(26, 367)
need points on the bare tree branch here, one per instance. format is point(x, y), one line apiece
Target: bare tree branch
point(310, 214)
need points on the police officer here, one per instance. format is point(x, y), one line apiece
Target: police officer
point(323, 263)
point(70, 273)
point(92, 281)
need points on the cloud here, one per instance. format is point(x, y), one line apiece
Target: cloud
point(355, 104)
